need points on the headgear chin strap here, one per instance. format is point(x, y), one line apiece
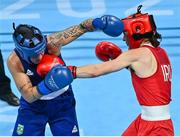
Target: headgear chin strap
point(139, 26)
point(30, 45)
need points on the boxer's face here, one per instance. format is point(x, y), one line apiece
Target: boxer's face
point(37, 59)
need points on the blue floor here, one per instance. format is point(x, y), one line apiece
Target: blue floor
point(105, 105)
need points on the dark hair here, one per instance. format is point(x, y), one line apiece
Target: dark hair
point(27, 32)
point(155, 39)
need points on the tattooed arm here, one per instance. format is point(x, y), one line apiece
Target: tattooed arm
point(23, 83)
point(61, 38)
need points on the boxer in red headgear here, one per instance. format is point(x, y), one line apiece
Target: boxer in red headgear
point(139, 26)
point(150, 70)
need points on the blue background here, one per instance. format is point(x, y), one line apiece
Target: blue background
point(105, 105)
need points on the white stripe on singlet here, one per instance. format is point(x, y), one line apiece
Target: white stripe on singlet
point(155, 113)
point(54, 94)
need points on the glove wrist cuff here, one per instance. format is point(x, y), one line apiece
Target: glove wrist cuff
point(74, 71)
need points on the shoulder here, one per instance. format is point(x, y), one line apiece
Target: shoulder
point(52, 46)
point(138, 56)
point(146, 54)
point(138, 53)
point(145, 51)
point(14, 63)
point(145, 65)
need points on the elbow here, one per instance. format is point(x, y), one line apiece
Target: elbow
point(97, 72)
point(93, 75)
point(28, 99)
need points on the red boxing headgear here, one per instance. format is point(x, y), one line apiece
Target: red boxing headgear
point(138, 26)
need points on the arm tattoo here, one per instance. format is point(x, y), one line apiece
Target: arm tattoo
point(70, 34)
point(87, 25)
point(55, 39)
point(20, 88)
point(74, 31)
point(66, 36)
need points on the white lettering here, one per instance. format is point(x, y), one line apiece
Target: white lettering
point(9, 12)
point(167, 73)
point(98, 8)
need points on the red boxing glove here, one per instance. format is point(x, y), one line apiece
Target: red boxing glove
point(107, 50)
point(47, 63)
point(73, 70)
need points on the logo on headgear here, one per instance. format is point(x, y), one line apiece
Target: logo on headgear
point(28, 44)
point(139, 26)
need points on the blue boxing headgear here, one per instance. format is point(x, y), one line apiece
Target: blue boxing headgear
point(29, 41)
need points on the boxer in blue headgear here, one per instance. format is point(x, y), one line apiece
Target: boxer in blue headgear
point(49, 98)
point(29, 41)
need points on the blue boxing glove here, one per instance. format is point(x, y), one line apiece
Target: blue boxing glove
point(109, 24)
point(57, 78)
